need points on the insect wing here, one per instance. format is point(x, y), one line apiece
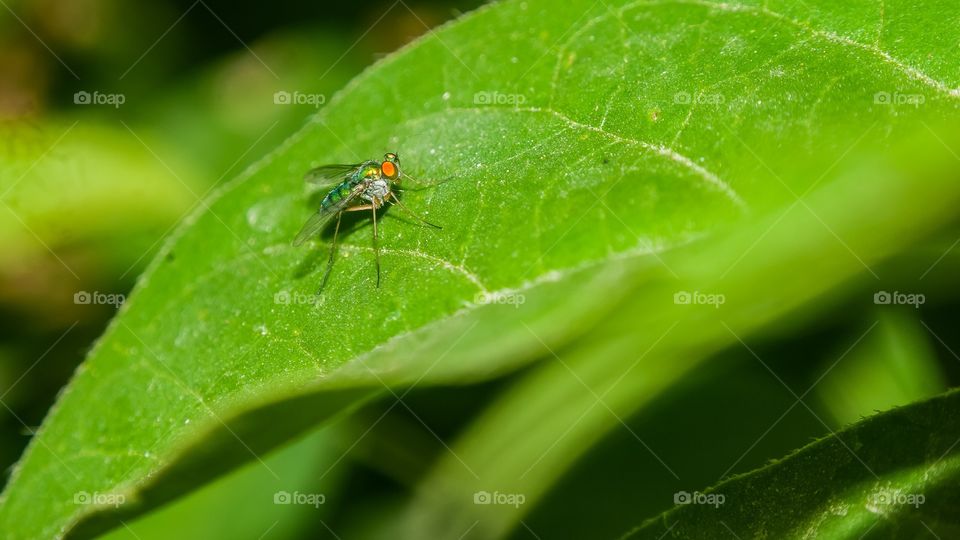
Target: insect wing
point(330, 174)
point(313, 226)
point(319, 220)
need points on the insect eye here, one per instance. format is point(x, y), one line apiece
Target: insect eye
point(389, 169)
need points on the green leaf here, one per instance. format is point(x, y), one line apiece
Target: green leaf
point(900, 478)
point(582, 145)
point(555, 414)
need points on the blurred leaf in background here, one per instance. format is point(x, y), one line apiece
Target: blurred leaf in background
point(897, 365)
point(289, 495)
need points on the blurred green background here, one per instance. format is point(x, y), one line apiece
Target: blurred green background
point(88, 192)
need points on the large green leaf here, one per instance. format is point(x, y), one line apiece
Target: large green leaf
point(583, 142)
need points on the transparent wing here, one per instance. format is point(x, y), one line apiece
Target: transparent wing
point(319, 220)
point(330, 174)
point(314, 225)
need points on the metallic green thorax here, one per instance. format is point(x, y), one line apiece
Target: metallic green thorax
point(343, 189)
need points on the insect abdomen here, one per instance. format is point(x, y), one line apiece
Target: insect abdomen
point(338, 193)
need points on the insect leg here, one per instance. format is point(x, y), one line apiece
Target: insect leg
point(376, 247)
point(377, 203)
point(423, 187)
point(333, 250)
point(407, 210)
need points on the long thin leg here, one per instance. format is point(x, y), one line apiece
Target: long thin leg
point(333, 250)
point(423, 187)
point(407, 210)
point(376, 247)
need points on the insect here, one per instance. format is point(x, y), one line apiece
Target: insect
point(361, 186)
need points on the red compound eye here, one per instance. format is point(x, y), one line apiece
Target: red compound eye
point(389, 169)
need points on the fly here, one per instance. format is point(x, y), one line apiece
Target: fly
point(361, 186)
